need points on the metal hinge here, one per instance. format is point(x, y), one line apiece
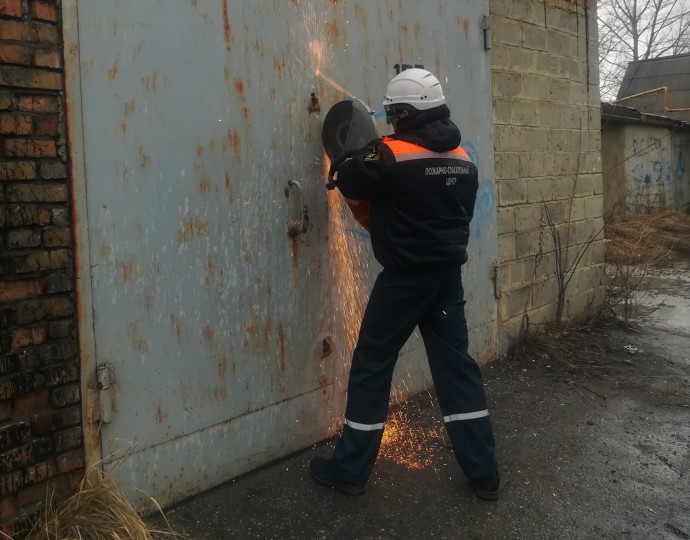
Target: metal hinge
point(496, 278)
point(99, 407)
point(486, 28)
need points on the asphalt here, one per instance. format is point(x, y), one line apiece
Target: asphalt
point(592, 444)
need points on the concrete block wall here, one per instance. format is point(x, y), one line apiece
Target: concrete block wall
point(40, 403)
point(646, 167)
point(547, 143)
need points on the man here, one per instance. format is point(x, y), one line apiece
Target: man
point(420, 187)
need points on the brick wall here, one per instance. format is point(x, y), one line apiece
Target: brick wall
point(40, 411)
point(547, 144)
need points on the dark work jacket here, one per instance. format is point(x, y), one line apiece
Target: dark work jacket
point(421, 188)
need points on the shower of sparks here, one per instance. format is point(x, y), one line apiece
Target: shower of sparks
point(406, 441)
point(325, 78)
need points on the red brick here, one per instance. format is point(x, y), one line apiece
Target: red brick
point(15, 124)
point(40, 472)
point(35, 493)
point(44, 422)
point(31, 402)
point(17, 170)
point(70, 461)
point(5, 410)
point(8, 505)
point(11, 8)
point(35, 149)
point(57, 237)
point(25, 337)
point(5, 100)
point(11, 483)
point(74, 479)
point(26, 77)
point(45, 11)
point(49, 58)
point(11, 291)
point(15, 54)
point(39, 103)
point(47, 126)
point(28, 31)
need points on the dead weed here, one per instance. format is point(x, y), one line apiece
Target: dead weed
point(97, 511)
point(647, 238)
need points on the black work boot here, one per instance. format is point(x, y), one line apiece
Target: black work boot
point(487, 487)
point(322, 471)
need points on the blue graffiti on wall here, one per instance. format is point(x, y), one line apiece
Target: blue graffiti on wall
point(471, 150)
point(484, 207)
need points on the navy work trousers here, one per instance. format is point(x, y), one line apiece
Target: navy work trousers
point(399, 302)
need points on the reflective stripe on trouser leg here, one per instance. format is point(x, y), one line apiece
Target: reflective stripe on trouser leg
point(395, 305)
point(458, 381)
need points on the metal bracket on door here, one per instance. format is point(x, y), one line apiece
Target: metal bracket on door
point(496, 278)
point(100, 399)
point(486, 28)
point(297, 224)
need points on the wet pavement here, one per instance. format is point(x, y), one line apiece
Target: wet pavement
point(591, 449)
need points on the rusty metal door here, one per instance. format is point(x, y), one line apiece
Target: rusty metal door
point(212, 296)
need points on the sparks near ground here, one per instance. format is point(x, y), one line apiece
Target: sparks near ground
point(405, 441)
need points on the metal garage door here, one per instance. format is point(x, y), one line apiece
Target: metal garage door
point(213, 293)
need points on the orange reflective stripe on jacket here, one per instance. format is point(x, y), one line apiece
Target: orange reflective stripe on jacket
point(405, 151)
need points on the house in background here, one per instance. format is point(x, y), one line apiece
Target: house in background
point(646, 138)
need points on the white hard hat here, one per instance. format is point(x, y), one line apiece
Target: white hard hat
point(416, 87)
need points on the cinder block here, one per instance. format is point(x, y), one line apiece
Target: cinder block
point(534, 37)
point(505, 220)
point(547, 64)
point(534, 87)
point(506, 165)
point(528, 218)
point(506, 84)
point(511, 192)
point(574, 211)
point(506, 31)
point(502, 111)
point(515, 302)
point(572, 68)
point(526, 113)
point(545, 292)
point(506, 247)
point(594, 207)
point(561, 43)
point(539, 189)
point(532, 165)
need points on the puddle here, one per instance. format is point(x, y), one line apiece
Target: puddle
point(666, 303)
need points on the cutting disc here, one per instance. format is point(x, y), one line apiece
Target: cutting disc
point(349, 125)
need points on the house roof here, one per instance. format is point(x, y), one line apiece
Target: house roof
point(617, 113)
point(672, 72)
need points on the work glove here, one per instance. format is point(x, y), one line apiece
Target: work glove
point(334, 168)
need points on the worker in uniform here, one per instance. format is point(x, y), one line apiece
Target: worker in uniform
point(418, 187)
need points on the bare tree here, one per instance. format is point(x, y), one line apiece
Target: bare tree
point(632, 30)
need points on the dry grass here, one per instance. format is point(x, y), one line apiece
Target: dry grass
point(572, 346)
point(647, 238)
point(97, 511)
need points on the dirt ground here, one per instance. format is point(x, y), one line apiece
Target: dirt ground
point(593, 438)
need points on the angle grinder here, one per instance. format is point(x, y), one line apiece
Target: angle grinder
point(349, 125)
